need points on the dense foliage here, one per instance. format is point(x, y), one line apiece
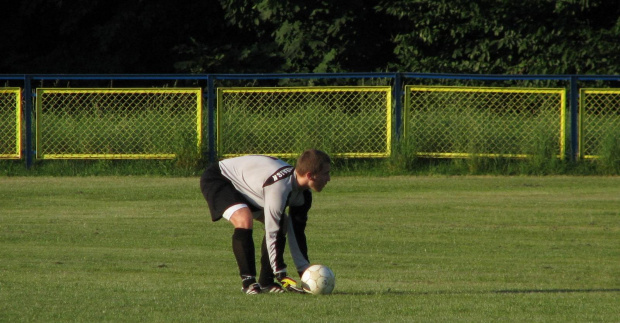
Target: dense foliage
point(243, 36)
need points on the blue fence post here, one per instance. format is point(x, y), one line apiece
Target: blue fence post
point(397, 93)
point(211, 118)
point(574, 119)
point(28, 114)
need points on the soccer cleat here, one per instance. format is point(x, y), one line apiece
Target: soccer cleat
point(252, 289)
point(290, 285)
point(294, 289)
point(273, 288)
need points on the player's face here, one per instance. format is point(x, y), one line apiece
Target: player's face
point(319, 180)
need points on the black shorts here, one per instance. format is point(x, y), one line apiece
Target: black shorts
point(220, 193)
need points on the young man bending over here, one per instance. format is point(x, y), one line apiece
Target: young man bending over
point(253, 187)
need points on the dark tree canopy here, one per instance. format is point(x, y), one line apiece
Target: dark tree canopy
point(291, 36)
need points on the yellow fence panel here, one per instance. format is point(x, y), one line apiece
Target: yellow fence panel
point(448, 122)
point(599, 122)
point(10, 123)
point(117, 123)
point(282, 122)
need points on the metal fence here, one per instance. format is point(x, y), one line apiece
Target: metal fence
point(599, 121)
point(489, 122)
point(345, 121)
point(117, 123)
point(350, 115)
point(10, 123)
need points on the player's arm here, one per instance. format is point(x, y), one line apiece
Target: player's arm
point(275, 227)
point(297, 233)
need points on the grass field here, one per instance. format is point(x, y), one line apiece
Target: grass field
point(404, 249)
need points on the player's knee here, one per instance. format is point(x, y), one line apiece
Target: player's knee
point(242, 219)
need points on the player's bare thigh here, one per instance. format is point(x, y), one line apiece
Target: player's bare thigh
point(242, 217)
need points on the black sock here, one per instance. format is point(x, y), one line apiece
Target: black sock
point(247, 281)
point(243, 248)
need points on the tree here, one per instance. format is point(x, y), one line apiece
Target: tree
point(517, 37)
point(111, 36)
point(267, 36)
point(318, 36)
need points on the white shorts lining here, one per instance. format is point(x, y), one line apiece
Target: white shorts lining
point(229, 211)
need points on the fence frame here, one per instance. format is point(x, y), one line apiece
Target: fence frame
point(583, 92)
point(44, 90)
point(18, 123)
point(209, 93)
point(325, 89)
point(439, 89)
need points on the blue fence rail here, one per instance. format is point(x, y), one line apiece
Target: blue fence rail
point(209, 82)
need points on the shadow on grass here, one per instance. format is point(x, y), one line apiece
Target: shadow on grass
point(502, 291)
point(553, 291)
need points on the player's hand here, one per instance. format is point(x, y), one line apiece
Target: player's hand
point(289, 284)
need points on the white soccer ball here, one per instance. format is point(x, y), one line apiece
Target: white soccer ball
point(318, 279)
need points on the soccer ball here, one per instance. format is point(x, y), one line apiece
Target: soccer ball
point(318, 279)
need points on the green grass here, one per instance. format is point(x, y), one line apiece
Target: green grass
point(444, 249)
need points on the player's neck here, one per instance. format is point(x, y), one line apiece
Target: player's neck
point(302, 181)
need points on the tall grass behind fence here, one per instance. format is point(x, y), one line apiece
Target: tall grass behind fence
point(488, 122)
point(600, 124)
point(345, 121)
point(10, 123)
point(117, 123)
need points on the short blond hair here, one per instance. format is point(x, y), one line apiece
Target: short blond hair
point(312, 161)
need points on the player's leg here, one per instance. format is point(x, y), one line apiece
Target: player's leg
point(243, 246)
point(226, 202)
point(240, 216)
point(267, 277)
